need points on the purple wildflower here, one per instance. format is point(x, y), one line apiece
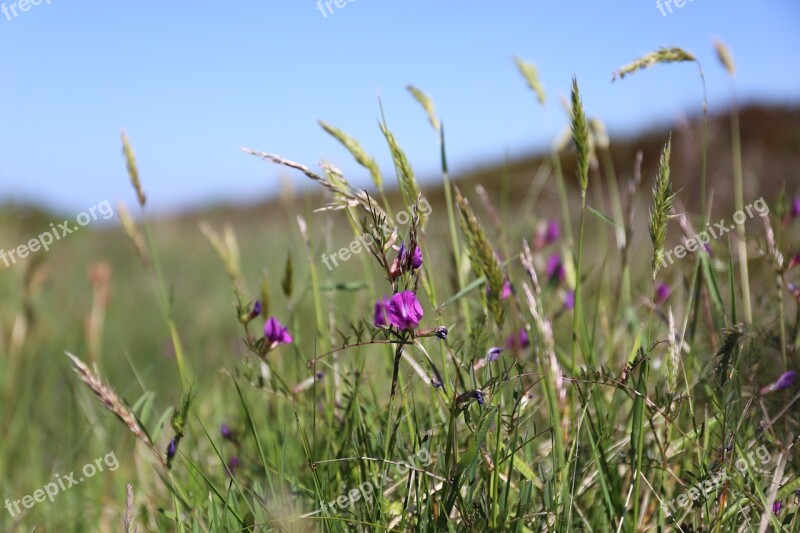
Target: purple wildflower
point(172, 449)
point(794, 262)
point(519, 340)
point(404, 310)
point(776, 507)
point(507, 290)
point(785, 381)
point(547, 233)
point(569, 300)
point(403, 262)
point(380, 313)
point(794, 290)
point(256, 310)
point(555, 268)
point(416, 259)
point(663, 293)
point(476, 395)
point(493, 354)
point(227, 434)
point(275, 333)
point(233, 462)
point(794, 211)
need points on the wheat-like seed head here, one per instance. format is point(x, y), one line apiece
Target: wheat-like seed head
point(482, 257)
point(405, 174)
point(133, 172)
point(127, 520)
point(357, 151)
point(580, 136)
point(725, 57)
point(531, 75)
point(427, 104)
point(662, 55)
point(129, 226)
point(663, 198)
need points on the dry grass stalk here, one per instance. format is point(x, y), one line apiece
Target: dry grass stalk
point(112, 402)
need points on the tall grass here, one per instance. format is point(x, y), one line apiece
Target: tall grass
point(461, 374)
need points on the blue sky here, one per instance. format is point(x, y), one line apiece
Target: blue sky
point(191, 83)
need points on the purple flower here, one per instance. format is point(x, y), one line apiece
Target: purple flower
point(275, 333)
point(506, 290)
point(794, 210)
point(493, 354)
point(233, 462)
point(227, 434)
point(794, 290)
point(520, 340)
point(569, 300)
point(256, 310)
point(555, 269)
point(172, 449)
point(794, 262)
point(380, 313)
point(776, 507)
point(476, 395)
point(546, 234)
point(404, 262)
point(663, 292)
point(785, 381)
point(416, 260)
point(404, 310)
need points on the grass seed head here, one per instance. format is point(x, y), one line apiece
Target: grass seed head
point(662, 55)
point(531, 75)
point(427, 104)
point(580, 136)
point(725, 57)
point(663, 198)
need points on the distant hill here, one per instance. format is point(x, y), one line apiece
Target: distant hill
point(770, 136)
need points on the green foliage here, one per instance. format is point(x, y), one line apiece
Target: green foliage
point(357, 424)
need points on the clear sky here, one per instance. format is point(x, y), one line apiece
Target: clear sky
point(192, 82)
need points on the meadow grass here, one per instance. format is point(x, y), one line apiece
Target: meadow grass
point(515, 377)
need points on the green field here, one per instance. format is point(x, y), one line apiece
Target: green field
point(639, 382)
